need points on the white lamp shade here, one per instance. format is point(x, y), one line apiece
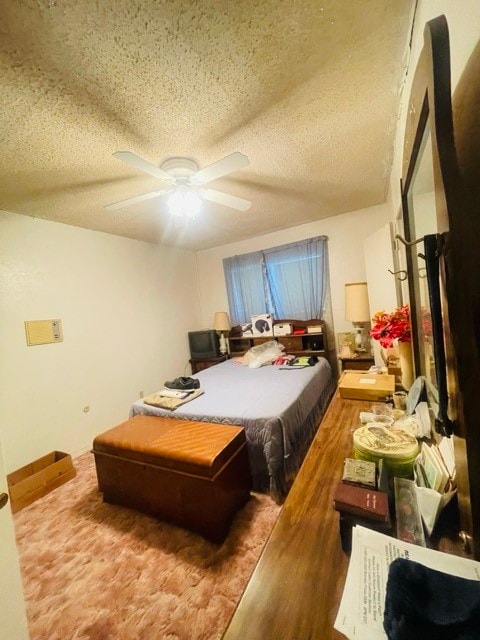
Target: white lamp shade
point(357, 307)
point(184, 203)
point(221, 321)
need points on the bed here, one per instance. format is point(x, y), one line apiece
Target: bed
point(279, 407)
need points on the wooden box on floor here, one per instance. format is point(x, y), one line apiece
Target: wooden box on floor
point(194, 474)
point(35, 480)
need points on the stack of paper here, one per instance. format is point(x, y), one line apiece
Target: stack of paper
point(360, 616)
point(315, 329)
point(175, 393)
point(434, 472)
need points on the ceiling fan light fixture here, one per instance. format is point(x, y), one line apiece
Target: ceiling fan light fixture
point(184, 177)
point(184, 203)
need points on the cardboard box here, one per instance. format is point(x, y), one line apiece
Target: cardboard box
point(366, 386)
point(35, 480)
point(282, 329)
point(395, 371)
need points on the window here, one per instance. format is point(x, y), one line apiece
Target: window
point(289, 281)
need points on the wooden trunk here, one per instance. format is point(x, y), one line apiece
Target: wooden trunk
point(194, 474)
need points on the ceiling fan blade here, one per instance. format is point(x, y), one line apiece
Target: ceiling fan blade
point(129, 201)
point(227, 199)
point(220, 168)
point(139, 163)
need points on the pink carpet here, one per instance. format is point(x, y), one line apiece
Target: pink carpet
point(99, 572)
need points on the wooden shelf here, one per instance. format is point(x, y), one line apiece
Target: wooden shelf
point(305, 344)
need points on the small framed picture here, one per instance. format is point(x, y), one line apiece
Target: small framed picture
point(345, 338)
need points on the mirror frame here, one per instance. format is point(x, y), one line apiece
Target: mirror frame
point(430, 104)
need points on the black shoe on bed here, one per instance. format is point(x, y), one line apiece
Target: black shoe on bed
point(183, 383)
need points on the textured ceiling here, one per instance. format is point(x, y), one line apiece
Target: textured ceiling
point(308, 90)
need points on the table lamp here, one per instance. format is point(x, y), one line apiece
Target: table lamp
point(221, 324)
point(357, 311)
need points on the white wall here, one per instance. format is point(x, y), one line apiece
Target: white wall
point(126, 307)
point(346, 234)
point(382, 292)
point(463, 18)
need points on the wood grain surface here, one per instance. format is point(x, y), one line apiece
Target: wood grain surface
point(295, 590)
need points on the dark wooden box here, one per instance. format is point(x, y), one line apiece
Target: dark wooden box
point(194, 474)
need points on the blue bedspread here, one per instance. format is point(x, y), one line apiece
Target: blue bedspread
point(280, 410)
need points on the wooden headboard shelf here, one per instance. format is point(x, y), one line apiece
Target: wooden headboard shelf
point(298, 345)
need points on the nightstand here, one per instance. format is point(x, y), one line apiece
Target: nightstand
point(199, 364)
point(358, 363)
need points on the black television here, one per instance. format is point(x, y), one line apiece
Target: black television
point(203, 344)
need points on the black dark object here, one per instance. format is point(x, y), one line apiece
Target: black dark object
point(183, 383)
point(203, 344)
point(347, 522)
point(424, 603)
point(433, 248)
point(262, 325)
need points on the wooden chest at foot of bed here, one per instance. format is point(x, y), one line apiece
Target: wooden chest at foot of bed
point(194, 474)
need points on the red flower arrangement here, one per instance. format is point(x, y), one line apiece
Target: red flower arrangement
point(391, 326)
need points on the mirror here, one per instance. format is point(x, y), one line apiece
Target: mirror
point(422, 222)
point(425, 219)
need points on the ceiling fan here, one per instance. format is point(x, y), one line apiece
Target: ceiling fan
point(182, 178)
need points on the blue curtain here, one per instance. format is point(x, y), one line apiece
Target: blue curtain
point(297, 275)
point(244, 276)
point(290, 281)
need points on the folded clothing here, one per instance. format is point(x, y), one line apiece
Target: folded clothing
point(284, 359)
point(157, 400)
point(183, 383)
point(423, 603)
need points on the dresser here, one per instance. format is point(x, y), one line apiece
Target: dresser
point(360, 363)
point(199, 364)
point(296, 588)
